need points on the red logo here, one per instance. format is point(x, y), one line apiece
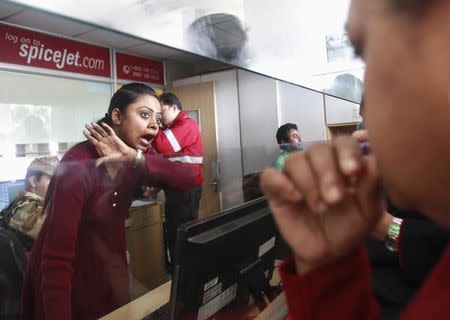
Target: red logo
point(139, 69)
point(34, 49)
point(126, 69)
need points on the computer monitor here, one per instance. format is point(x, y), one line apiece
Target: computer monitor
point(223, 262)
point(9, 190)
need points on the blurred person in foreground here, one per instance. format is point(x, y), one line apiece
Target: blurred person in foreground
point(329, 198)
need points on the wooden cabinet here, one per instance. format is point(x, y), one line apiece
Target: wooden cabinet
point(145, 246)
point(340, 129)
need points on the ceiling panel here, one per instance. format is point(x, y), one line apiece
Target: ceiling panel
point(66, 27)
point(110, 39)
point(187, 58)
point(153, 50)
point(48, 22)
point(7, 9)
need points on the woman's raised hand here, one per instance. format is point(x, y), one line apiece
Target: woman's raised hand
point(110, 147)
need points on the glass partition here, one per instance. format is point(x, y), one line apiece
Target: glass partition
point(44, 115)
point(298, 41)
point(245, 112)
point(239, 110)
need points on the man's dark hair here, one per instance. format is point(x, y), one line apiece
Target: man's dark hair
point(283, 132)
point(33, 173)
point(170, 99)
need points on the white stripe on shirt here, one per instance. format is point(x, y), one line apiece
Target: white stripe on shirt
point(172, 140)
point(188, 159)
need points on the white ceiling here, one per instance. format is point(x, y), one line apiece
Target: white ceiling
point(43, 21)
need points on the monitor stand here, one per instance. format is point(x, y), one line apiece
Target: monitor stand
point(254, 277)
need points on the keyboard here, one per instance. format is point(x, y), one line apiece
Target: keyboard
point(162, 313)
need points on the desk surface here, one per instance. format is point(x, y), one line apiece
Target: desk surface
point(148, 303)
point(141, 203)
point(142, 306)
point(276, 310)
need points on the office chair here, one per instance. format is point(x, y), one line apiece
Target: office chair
point(12, 268)
point(250, 186)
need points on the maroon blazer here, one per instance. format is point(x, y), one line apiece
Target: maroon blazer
point(77, 268)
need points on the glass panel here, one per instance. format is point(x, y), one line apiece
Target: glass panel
point(299, 41)
point(44, 115)
point(194, 114)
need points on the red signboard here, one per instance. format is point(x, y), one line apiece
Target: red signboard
point(139, 69)
point(34, 49)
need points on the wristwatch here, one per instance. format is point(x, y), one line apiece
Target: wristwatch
point(137, 159)
point(391, 240)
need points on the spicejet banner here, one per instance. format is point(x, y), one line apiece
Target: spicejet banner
point(139, 69)
point(34, 49)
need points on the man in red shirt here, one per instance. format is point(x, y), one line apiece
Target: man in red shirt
point(180, 141)
point(328, 199)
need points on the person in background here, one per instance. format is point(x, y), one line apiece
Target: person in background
point(77, 267)
point(180, 141)
point(288, 138)
point(329, 198)
point(25, 215)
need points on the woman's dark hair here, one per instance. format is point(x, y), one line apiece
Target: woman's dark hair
point(126, 95)
point(283, 132)
point(170, 99)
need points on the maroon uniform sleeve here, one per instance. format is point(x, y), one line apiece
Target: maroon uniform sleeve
point(340, 290)
point(68, 195)
point(170, 174)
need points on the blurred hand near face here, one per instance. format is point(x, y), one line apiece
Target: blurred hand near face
point(381, 229)
point(110, 147)
point(361, 135)
point(325, 202)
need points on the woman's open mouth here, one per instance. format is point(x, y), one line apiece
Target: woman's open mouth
point(146, 140)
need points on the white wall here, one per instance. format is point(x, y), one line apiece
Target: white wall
point(341, 111)
point(303, 107)
point(259, 120)
point(287, 39)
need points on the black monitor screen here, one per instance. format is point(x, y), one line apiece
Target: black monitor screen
point(223, 263)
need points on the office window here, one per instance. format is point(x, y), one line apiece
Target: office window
point(42, 115)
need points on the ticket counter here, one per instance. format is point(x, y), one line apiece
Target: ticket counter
point(145, 247)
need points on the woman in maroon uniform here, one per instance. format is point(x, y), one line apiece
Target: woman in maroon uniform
point(78, 268)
